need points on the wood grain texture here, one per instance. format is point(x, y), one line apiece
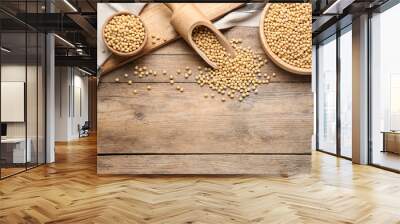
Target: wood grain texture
point(204, 164)
point(276, 121)
point(392, 142)
point(164, 120)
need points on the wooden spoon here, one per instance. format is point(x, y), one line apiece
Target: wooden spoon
point(185, 18)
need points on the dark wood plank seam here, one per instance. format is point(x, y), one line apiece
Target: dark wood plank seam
point(222, 153)
point(189, 82)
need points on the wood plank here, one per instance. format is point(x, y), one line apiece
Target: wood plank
point(277, 120)
point(282, 165)
point(156, 17)
point(171, 63)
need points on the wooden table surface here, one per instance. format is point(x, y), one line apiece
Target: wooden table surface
point(279, 120)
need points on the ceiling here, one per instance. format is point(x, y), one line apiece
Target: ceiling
point(329, 16)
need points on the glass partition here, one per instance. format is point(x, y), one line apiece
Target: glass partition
point(31, 99)
point(334, 94)
point(346, 92)
point(14, 153)
point(385, 89)
point(327, 95)
point(22, 77)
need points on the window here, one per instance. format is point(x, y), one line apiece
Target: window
point(334, 62)
point(346, 75)
point(394, 102)
point(385, 89)
point(327, 95)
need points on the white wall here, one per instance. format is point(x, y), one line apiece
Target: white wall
point(80, 110)
point(33, 127)
point(13, 72)
point(70, 83)
point(62, 82)
point(16, 73)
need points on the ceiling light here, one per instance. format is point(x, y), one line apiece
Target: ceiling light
point(84, 71)
point(65, 41)
point(5, 50)
point(70, 5)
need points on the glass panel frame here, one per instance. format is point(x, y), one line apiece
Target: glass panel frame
point(28, 53)
point(13, 74)
point(338, 136)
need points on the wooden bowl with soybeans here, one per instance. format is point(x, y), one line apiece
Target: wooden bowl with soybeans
point(285, 33)
point(124, 34)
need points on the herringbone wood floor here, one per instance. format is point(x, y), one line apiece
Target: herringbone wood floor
point(69, 191)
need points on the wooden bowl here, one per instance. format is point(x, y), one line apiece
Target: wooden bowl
point(277, 60)
point(123, 54)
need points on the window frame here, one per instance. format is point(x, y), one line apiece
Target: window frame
point(338, 34)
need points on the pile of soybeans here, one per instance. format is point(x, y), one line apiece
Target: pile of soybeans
point(287, 28)
point(235, 77)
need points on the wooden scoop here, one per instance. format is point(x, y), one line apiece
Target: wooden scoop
point(185, 18)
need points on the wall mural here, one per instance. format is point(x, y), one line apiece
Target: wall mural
point(211, 88)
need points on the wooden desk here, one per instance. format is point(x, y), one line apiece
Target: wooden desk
point(17, 150)
point(391, 141)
